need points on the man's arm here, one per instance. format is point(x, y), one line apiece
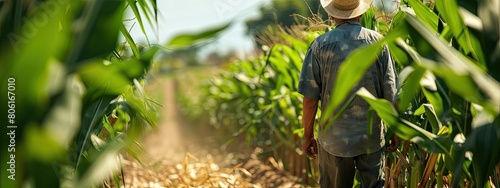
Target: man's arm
point(310, 107)
point(390, 92)
point(389, 81)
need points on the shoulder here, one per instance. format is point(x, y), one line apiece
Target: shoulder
point(325, 39)
point(370, 34)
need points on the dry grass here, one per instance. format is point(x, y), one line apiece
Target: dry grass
point(273, 33)
point(191, 172)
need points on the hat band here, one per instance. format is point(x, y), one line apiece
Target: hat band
point(345, 5)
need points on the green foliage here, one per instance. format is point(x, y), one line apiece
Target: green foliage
point(59, 53)
point(449, 99)
point(440, 79)
point(185, 40)
point(258, 98)
point(79, 102)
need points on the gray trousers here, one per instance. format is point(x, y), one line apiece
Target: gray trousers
point(339, 172)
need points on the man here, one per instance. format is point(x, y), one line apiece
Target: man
point(347, 144)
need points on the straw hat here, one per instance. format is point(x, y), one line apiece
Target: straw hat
point(346, 9)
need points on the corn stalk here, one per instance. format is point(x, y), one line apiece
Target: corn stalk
point(72, 73)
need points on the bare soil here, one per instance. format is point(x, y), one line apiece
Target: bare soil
point(180, 155)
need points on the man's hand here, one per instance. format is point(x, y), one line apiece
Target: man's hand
point(310, 147)
point(393, 146)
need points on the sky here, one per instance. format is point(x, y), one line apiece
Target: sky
point(192, 16)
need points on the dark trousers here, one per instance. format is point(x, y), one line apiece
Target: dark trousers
point(338, 172)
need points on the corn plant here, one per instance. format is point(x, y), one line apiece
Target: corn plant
point(69, 75)
point(79, 98)
point(257, 98)
point(448, 112)
point(449, 101)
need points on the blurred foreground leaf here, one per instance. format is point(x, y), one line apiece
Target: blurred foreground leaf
point(185, 40)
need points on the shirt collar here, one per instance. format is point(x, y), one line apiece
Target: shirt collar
point(348, 22)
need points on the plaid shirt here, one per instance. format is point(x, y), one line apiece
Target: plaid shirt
point(349, 135)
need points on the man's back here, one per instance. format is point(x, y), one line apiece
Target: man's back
point(349, 135)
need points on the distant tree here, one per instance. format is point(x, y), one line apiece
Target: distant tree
point(285, 13)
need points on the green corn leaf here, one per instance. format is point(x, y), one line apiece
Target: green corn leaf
point(420, 110)
point(141, 106)
point(430, 90)
point(108, 126)
point(148, 55)
point(382, 26)
point(281, 63)
point(91, 118)
point(101, 163)
point(411, 86)
point(103, 83)
point(446, 34)
point(383, 108)
point(400, 56)
point(295, 58)
point(129, 70)
point(405, 129)
point(448, 11)
point(185, 40)
point(461, 164)
point(147, 12)
point(432, 118)
point(100, 80)
point(42, 150)
point(132, 4)
point(27, 59)
point(296, 44)
point(398, 19)
point(476, 34)
point(482, 142)
point(98, 31)
point(67, 112)
point(489, 14)
point(130, 41)
point(155, 9)
point(424, 14)
point(368, 19)
point(486, 141)
point(455, 68)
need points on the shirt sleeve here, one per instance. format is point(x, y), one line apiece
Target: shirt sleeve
point(389, 76)
point(310, 82)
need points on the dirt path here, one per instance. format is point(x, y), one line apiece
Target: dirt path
point(166, 141)
point(174, 138)
point(185, 157)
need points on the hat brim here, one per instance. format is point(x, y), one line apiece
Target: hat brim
point(364, 5)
